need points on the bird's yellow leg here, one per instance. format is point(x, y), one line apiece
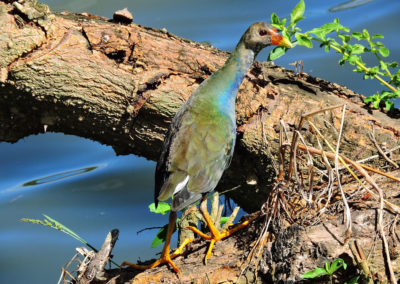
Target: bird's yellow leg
point(178, 251)
point(165, 256)
point(215, 235)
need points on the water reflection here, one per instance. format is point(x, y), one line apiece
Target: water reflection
point(349, 5)
point(60, 176)
point(51, 178)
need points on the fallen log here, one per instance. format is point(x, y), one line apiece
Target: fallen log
point(121, 85)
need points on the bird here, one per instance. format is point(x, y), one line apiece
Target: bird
point(201, 139)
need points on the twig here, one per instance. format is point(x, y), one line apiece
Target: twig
point(231, 218)
point(372, 137)
point(390, 206)
point(377, 156)
point(294, 139)
point(361, 261)
point(346, 205)
point(380, 218)
point(331, 156)
point(146, 229)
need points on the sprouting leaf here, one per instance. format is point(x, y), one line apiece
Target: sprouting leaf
point(162, 208)
point(160, 237)
point(276, 53)
point(384, 51)
point(366, 34)
point(317, 272)
point(345, 38)
point(393, 64)
point(303, 40)
point(328, 267)
point(275, 19)
point(297, 13)
point(336, 264)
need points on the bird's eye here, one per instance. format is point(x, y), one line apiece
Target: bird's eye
point(263, 32)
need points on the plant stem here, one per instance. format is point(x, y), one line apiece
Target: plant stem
point(362, 66)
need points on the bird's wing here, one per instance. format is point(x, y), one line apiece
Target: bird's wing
point(195, 153)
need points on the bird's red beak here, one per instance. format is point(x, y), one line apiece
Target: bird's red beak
point(278, 39)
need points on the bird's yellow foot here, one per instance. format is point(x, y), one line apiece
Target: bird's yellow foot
point(166, 257)
point(215, 235)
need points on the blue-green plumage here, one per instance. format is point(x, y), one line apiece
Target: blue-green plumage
point(200, 141)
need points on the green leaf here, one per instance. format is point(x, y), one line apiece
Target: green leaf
point(223, 220)
point(303, 40)
point(383, 65)
point(276, 53)
point(393, 64)
point(353, 280)
point(328, 267)
point(366, 34)
point(376, 103)
point(297, 13)
point(384, 51)
point(317, 272)
point(357, 49)
point(275, 19)
point(162, 208)
point(352, 59)
point(345, 38)
point(377, 36)
point(389, 105)
point(358, 36)
point(160, 237)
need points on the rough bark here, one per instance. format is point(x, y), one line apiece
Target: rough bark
point(121, 85)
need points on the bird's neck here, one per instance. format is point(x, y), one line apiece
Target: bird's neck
point(231, 75)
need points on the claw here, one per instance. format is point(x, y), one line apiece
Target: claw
point(165, 255)
point(215, 235)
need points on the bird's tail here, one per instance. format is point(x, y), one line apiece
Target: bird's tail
point(184, 198)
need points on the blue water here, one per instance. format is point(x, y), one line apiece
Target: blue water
point(91, 190)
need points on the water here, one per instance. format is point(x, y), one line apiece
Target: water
point(85, 186)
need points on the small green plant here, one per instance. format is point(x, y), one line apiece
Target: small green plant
point(163, 208)
point(351, 45)
point(329, 269)
point(54, 224)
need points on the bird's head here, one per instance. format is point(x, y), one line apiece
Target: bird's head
point(260, 35)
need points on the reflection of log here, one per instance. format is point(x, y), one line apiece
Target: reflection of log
point(120, 85)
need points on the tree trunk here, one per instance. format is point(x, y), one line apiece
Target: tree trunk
point(122, 84)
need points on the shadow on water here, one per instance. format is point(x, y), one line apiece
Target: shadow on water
point(59, 176)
